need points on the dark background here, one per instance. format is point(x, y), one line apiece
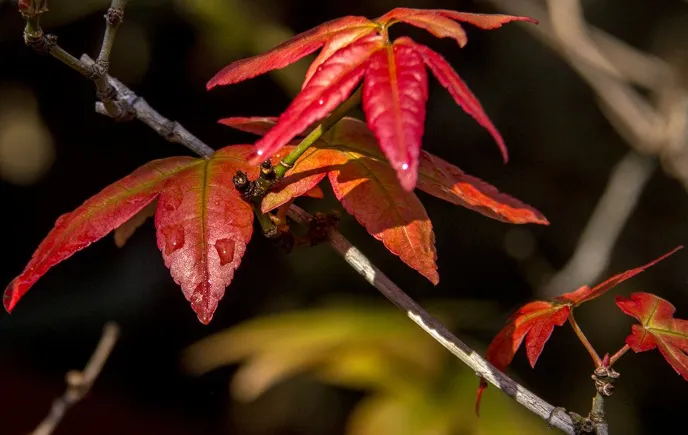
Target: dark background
point(562, 150)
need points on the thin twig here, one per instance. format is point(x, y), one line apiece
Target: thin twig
point(80, 383)
point(556, 417)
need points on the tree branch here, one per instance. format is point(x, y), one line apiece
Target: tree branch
point(79, 383)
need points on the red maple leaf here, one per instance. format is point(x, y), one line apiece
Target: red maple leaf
point(394, 75)
point(658, 329)
point(363, 180)
point(536, 320)
point(203, 224)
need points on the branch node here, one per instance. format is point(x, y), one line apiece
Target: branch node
point(40, 42)
point(114, 16)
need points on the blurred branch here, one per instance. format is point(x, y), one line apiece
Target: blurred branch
point(79, 383)
point(655, 125)
point(593, 251)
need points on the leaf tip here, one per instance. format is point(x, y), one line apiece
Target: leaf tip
point(481, 389)
point(11, 296)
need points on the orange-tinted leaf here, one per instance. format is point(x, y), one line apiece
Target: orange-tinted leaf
point(442, 179)
point(315, 193)
point(458, 89)
point(658, 329)
point(394, 96)
point(329, 87)
point(288, 52)
point(94, 219)
point(368, 189)
point(306, 174)
point(127, 229)
point(203, 227)
point(435, 176)
point(586, 293)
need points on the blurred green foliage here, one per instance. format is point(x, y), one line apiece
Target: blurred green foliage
point(412, 385)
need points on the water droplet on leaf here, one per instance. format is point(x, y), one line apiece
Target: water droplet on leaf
point(260, 152)
point(174, 238)
point(199, 302)
point(405, 166)
point(321, 102)
point(225, 250)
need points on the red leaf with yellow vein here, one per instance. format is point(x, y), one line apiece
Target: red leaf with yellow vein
point(93, 220)
point(458, 89)
point(658, 329)
point(394, 96)
point(203, 224)
point(289, 51)
point(330, 86)
point(395, 81)
point(535, 321)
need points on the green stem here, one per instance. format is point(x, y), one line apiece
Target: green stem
point(579, 332)
point(288, 162)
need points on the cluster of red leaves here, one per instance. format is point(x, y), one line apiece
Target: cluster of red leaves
point(395, 87)
point(536, 320)
point(364, 181)
point(203, 224)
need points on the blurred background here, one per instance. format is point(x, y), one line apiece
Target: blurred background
point(593, 109)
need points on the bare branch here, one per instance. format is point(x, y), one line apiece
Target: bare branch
point(79, 383)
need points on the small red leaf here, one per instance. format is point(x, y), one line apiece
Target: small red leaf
point(94, 219)
point(394, 96)
point(328, 88)
point(288, 52)
point(535, 320)
point(586, 293)
point(458, 90)
point(306, 174)
point(658, 329)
